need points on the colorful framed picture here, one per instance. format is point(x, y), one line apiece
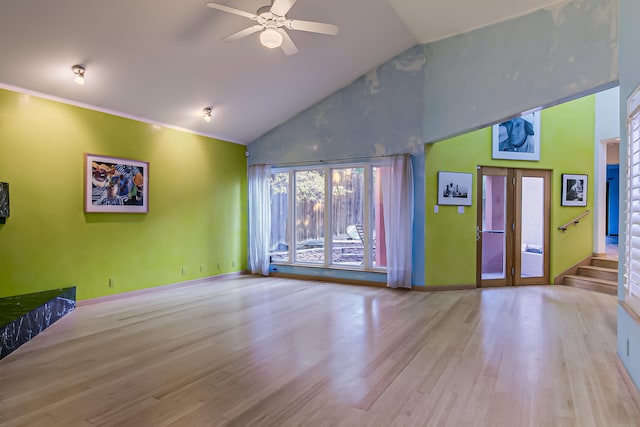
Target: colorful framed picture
point(455, 188)
point(116, 185)
point(518, 138)
point(574, 190)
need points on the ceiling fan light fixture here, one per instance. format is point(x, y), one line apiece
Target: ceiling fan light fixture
point(271, 38)
point(79, 71)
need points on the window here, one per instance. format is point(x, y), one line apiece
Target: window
point(333, 220)
point(632, 251)
point(309, 208)
point(280, 211)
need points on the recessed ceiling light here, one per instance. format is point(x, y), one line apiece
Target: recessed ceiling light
point(207, 114)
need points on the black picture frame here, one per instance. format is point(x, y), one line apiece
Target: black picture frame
point(5, 210)
point(574, 189)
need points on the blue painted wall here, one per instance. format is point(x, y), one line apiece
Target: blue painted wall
point(449, 87)
point(629, 70)
point(613, 199)
point(378, 114)
point(541, 59)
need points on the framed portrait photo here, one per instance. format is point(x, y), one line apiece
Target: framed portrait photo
point(518, 138)
point(455, 188)
point(112, 184)
point(574, 190)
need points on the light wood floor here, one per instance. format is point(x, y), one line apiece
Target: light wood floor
point(276, 352)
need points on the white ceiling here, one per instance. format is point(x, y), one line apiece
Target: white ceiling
point(163, 61)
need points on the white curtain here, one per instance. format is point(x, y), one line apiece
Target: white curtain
point(397, 202)
point(259, 218)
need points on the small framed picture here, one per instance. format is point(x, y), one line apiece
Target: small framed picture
point(4, 201)
point(518, 138)
point(455, 188)
point(574, 190)
point(112, 184)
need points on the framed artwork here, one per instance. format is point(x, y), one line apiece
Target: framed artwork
point(115, 185)
point(455, 188)
point(4, 201)
point(574, 190)
point(518, 138)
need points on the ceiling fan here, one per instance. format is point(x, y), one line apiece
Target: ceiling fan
point(272, 22)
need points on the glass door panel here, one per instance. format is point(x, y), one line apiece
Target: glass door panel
point(532, 227)
point(493, 232)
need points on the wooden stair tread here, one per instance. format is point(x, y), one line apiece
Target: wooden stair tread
point(594, 267)
point(593, 279)
point(592, 284)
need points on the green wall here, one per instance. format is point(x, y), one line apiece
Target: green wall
point(566, 146)
point(197, 203)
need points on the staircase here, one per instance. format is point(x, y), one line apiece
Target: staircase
point(601, 276)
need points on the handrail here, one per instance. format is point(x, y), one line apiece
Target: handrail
point(576, 220)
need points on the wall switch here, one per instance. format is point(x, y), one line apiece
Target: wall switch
point(627, 346)
point(112, 282)
point(436, 208)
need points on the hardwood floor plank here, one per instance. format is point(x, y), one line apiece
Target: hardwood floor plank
point(269, 351)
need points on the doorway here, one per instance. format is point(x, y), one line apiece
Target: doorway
point(512, 230)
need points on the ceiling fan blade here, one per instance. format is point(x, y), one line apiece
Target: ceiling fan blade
point(242, 33)
point(312, 27)
point(288, 47)
point(281, 7)
point(232, 10)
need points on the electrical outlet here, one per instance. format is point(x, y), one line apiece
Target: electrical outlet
point(184, 271)
point(201, 268)
point(112, 282)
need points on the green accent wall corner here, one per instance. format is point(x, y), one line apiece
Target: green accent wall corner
point(567, 146)
point(197, 216)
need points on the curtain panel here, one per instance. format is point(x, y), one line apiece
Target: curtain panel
point(397, 194)
point(259, 218)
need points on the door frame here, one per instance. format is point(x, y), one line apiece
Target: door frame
point(513, 235)
point(509, 194)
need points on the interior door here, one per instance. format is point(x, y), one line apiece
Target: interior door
point(493, 234)
point(513, 227)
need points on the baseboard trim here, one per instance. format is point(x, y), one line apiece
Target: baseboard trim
point(444, 288)
point(328, 279)
point(137, 292)
point(571, 271)
point(369, 283)
point(633, 390)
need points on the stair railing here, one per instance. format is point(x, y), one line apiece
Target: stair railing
point(574, 221)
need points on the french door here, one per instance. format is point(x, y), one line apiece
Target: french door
point(512, 231)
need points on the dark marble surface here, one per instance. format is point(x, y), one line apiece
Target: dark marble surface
point(22, 317)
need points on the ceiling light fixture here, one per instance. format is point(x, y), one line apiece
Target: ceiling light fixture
point(207, 114)
point(271, 38)
point(78, 70)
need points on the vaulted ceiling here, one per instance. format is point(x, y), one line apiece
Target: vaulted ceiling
point(163, 61)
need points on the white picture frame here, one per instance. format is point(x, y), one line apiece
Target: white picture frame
point(518, 138)
point(115, 185)
point(455, 188)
